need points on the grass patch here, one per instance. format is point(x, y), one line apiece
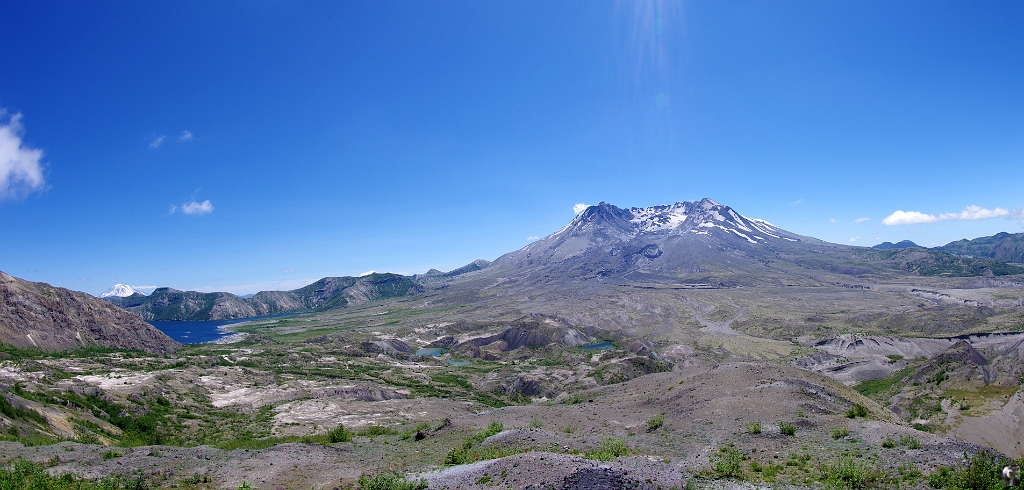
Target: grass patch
point(981, 471)
point(875, 386)
point(611, 448)
point(467, 451)
point(727, 463)
point(840, 432)
point(848, 473)
point(655, 422)
point(375, 430)
point(753, 428)
point(23, 474)
point(390, 481)
point(787, 428)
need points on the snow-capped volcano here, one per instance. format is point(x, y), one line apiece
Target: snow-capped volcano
point(119, 290)
point(681, 239)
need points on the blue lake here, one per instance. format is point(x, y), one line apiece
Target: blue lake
point(606, 345)
point(188, 332)
point(431, 351)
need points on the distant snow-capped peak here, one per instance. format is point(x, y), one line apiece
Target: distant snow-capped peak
point(119, 290)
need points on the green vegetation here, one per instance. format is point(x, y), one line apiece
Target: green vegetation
point(726, 463)
point(370, 431)
point(467, 451)
point(882, 385)
point(339, 434)
point(27, 475)
point(787, 428)
point(655, 422)
point(857, 410)
point(847, 473)
point(389, 481)
point(753, 428)
point(980, 472)
point(611, 448)
point(910, 442)
point(840, 432)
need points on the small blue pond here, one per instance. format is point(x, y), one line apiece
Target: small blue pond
point(431, 351)
point(457, 363)
point(606, 345)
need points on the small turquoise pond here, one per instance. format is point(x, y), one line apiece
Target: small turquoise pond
point(457, 363)
point(606, 345)
point(430, 351)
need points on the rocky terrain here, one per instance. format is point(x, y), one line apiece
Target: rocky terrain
point(37, 315)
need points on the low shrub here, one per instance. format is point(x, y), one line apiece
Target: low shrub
point(787, 428)
point(857, 410)
point(753, 428)
point(655, 422)
point(611, 448)
point(910, 442)
point(980, 472)
point(847, 473)
point(726, 463)
point(339, 434)
point(840, 432)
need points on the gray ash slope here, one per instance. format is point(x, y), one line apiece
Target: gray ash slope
point(704, 243)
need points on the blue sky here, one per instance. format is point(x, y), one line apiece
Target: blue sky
point(242, 146)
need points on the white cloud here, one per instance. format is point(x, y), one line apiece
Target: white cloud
point(860, 220)
point(157, 142)
point(289, 270)
point(854, 239)
point(908, 218)
point(20, 169)
point(831, 220)
point(532, 238)
point(579, 208)
point(798, 201)
point(371, 271)
point(970, 213)
point(198, 208)
point(186, 135)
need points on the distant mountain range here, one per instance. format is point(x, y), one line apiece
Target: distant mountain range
point(167, 304)
point(890, 245)
point(686, 244)
point(38, 315)
point(1007, 247)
